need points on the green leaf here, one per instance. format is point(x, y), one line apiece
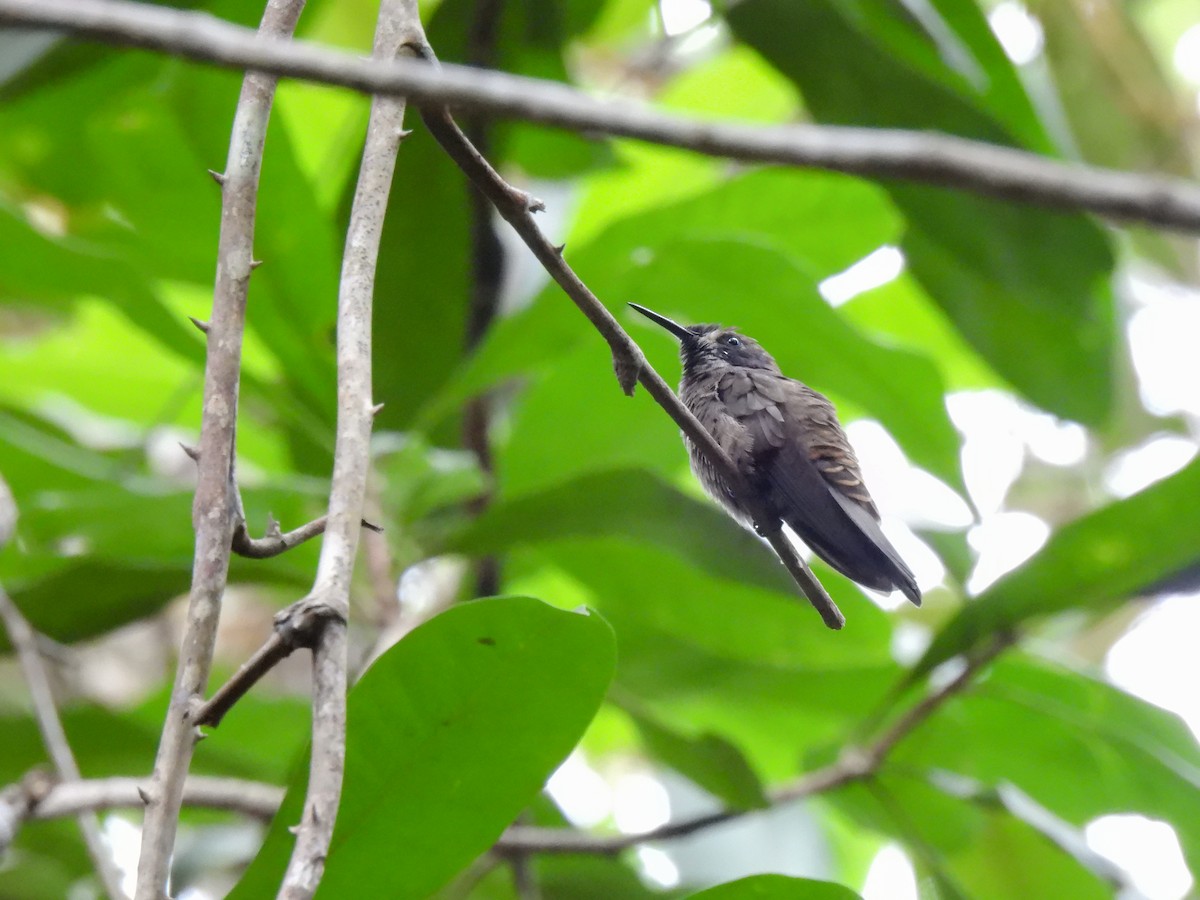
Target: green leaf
point(709, 760)
point(451, 733)
point(633, 503)
point(1028, 288)
point(1029, 722)
point(1092, 563)
point(777, 887)
point(779, 718)
point(968, 844)
point(90, 597)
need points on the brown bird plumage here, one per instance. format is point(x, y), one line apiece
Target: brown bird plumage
point(786, 440)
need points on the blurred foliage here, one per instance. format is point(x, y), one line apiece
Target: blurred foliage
point(721, 676)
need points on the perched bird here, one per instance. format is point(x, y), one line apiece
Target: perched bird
point(786, 440)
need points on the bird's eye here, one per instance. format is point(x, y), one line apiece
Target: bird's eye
point(731, 341)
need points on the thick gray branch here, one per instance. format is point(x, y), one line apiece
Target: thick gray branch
point(918, 156)
point(213, 507)
point(399, 23)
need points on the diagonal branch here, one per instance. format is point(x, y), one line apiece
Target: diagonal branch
point(854, 764)
point(24, 640)
point(517, 208)
point(926, 157)
point(212, 510)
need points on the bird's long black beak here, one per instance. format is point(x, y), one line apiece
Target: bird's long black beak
point(674, 327)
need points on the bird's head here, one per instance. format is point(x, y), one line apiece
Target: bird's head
point(706, 347)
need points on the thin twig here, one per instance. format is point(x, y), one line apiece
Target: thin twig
point(398, 24)
point(517, 208)
point(299, 625)
point(854, 764)
point(24, 640)
point(68, 798)
point(276, 649)
point(927, 157)
point(212, 508)
point(274, 542)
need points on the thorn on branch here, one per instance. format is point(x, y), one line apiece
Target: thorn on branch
point(403, 134)
point(143, 795)
point(193, 453)
point(370, 526)
point(218, 177)
point(199, 323)
point(559, 248)
point(377, 409)
point(255, 263)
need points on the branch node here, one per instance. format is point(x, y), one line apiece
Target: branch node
point(300, 624)
point(199, 323)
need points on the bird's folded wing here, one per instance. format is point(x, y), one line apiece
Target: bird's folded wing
point(810, 471)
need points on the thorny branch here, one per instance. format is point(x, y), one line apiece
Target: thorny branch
point(926, 157)
point(517, 208)
point(854, 764)
point(212, 510)
point(398, 24)
point(40, 796)
point(24, 640)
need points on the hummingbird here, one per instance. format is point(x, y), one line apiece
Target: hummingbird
point(787, 442)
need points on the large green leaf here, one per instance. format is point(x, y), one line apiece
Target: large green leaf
point(776, 887)
point(1026, 287)
point(450, 734)
point(1093, 563)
